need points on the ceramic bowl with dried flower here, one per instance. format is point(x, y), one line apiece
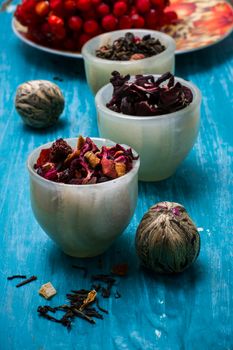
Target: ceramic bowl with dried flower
point(83, 219)
point(161, 140)
point(98, 70)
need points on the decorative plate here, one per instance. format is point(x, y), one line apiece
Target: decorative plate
point(202, 23)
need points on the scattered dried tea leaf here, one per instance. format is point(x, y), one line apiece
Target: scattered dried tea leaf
point(47, 290)
point(16, 276)
point(29, 280)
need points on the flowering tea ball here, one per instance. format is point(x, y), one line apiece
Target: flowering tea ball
point(167, 241)
point(39, 103)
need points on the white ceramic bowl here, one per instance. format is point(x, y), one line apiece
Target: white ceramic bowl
point(83, 220)
point(98, 70)
point(161, 141)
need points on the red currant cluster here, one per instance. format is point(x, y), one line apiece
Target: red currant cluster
point(68, 24)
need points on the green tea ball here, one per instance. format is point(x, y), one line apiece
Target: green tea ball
point(167, 241)
point(39, 103)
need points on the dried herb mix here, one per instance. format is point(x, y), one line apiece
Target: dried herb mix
point(87, 164)
point(130, 47)
point(145, 96)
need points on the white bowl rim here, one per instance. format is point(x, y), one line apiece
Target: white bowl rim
point(171, 47)
point(197, 96)
point(134, 170)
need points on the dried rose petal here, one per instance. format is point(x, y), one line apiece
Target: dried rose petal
point(108, 167)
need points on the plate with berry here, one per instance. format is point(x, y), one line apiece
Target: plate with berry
point(63, 26)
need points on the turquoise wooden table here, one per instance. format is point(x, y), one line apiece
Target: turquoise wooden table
point(192, 311)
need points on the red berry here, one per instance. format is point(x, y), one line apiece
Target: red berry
point(171, 17)
point(143, 5)
point(151, 19)
point(103, 10)
point(90, 27)
point(137, 21)
point(159, 3)
point(56, 6)
point(83, 39)
point(120, 8)
point(59, 33)
point(96, 2)
point(69, 44)
point(132, 10)
point(42, 8)
point(70, 5)
point(28, 5)
point(109, 22)
point(90, 14)
point(125, 22)
point(83, 5)
point(55, 21)
point(45, 29)
point(75, 23)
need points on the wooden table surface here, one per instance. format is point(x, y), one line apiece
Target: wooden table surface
point(192, 311)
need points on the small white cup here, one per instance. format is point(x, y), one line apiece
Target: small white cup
point(162, 141)
point(84, 220)
point(98, 70)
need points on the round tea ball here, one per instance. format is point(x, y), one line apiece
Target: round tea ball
point(167, 241)
point(39, 103)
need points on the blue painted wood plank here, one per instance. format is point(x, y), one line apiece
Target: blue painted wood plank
point(191, 311)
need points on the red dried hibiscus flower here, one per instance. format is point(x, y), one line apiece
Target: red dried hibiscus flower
point(87, 164)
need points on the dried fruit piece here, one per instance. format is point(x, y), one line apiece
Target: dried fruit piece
point(89, 299)
point(47, 290)
point(92, 159)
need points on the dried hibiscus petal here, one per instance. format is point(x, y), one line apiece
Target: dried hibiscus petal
point(146, 96)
